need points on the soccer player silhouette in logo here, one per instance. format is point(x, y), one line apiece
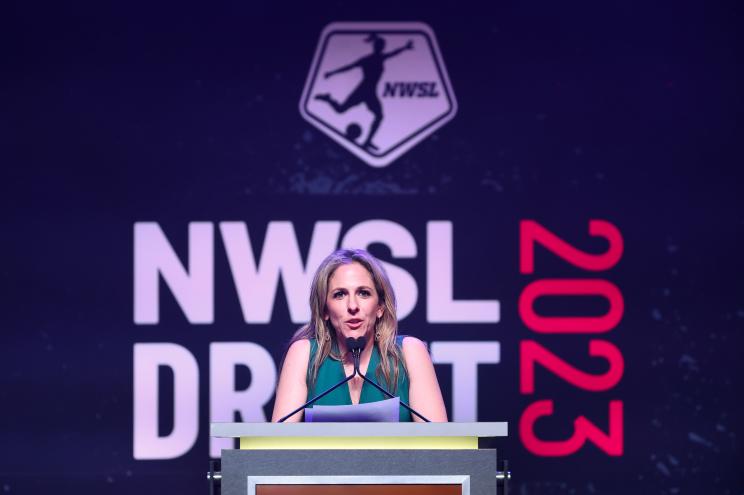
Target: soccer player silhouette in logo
point(372, 66)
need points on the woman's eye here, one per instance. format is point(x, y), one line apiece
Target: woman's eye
point(364, 293)
point(338, 295)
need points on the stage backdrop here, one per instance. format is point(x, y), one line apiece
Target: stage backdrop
point(553, 190)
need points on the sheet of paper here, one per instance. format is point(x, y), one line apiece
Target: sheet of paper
point(380, 411)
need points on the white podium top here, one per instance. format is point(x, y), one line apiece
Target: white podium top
point(238, 430)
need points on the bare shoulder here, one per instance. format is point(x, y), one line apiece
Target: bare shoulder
point(414, 349)
point(413, 344)
point(299, 348)
point(298, 354)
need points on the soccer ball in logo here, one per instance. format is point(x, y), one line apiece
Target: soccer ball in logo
point(378, 89)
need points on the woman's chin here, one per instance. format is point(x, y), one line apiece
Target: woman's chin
point(354, 333)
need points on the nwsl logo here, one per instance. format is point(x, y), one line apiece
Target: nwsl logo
point(378, 89)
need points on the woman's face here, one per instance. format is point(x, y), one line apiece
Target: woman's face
point(352, 304)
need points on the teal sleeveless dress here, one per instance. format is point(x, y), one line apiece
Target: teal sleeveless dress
point(331, 372)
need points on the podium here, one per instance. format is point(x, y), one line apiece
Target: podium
point(361, 459)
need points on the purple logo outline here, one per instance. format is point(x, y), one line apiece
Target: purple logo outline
point(340, 51)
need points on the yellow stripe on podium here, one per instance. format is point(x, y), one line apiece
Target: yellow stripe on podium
point(358, 443)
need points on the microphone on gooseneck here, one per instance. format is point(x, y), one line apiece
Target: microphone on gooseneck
point(356, 346)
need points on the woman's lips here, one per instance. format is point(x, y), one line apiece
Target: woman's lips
point(354, 324)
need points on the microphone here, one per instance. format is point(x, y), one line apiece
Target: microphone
point(356, 346)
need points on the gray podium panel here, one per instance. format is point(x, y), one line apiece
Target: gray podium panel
point(478, 465)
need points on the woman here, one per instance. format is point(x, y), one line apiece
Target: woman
point(351, 296)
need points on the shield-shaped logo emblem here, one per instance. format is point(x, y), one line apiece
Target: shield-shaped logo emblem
point(378, 89)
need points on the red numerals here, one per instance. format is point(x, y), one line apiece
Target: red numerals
point(571, 287)
point(532, 352)
point(611, 443)
point(531, 232)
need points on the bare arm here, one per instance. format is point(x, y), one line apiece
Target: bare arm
point(340, 69)
point(291, 392)
point(398, 51)
point(424, 393)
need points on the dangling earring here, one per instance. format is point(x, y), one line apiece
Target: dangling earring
point(328, 337)
point(377, 336)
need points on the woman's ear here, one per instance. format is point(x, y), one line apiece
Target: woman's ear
point(380, 311)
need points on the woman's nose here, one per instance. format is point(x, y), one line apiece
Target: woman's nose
point(353, 307)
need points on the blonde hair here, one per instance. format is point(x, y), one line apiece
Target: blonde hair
point(386, 327)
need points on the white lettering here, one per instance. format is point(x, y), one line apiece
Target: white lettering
point(193, 289)
point(440, 304)
point(401, 244)
point(465, 358)
point(257, 286)
point(147, 358)
point(224, 399)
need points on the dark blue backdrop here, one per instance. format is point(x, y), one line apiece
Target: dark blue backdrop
point(114, 114)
